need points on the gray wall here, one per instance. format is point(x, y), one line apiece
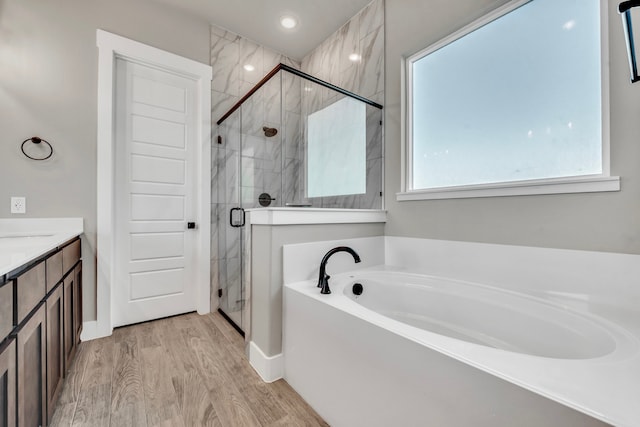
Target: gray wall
point(266, 271)
point(48, 87)
point(596, 221)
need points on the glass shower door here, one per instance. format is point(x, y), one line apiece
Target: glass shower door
point(260, 170)
point(253, 175)
point(226, 237)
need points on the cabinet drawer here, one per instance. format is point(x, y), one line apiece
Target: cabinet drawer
point(6, 309)
point(54, 270)
point(30, 289)
point(70, 255)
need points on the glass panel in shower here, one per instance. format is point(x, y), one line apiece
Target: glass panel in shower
point(340, 153)
point(261, 159)
point(226, 238)
point(292, 135)
point(336, 149)
point(291, 141)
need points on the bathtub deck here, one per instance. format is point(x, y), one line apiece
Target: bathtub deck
point(186, 371)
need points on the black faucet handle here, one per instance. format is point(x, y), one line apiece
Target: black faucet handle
point(325, 285)
point(324, 280)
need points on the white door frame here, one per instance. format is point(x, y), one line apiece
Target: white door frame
point(111, 46)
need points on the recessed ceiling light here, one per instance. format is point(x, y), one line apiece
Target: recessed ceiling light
point(354, 57)
point(249, 67)
point(288, 22)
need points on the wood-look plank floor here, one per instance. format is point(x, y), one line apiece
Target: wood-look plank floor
point(182, 371)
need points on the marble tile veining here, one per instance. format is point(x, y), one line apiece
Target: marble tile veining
point(225, 56)
point(291, 88)
point(350, 78)
point(371, 17)
point(374, 133)
point(247, 163)
point(253, 146)
point(224, 33)
point(214, 174)
point(251, 54)
point(349, 43)
point(231, 183)
point(221, 103)
point(215, 283)
point(331, 59)
point(371, 67)
point(214, 232)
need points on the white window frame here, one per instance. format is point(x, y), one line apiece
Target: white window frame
point(576, 184)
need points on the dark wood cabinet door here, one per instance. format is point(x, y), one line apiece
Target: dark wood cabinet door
point(77, 302)
point(55, 349)
point(68, 322)
point(8, 384)
point(6, 310)
point(31, 350)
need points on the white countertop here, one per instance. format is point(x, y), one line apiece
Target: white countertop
point(24, 240)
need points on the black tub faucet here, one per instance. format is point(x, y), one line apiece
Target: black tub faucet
point(323, 280)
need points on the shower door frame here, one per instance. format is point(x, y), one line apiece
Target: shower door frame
point(245, 232)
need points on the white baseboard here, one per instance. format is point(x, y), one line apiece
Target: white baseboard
point(270, 368)
point(90, 331)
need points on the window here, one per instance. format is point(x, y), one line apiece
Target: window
point(336, 156)
point(512, 104)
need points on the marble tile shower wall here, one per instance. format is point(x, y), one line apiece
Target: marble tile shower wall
point(261, 157)
point(248, 161)
point(351, 58)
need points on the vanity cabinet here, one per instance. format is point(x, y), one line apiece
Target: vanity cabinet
point(31, 288)
point(55, 348)
point(31, 342)
point(54, 270)
point(70, 301)
point(8, 383)
point(6, 310)
point(77, 301)
point(40, 325)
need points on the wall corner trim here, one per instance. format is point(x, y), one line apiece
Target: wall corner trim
point(270, 368)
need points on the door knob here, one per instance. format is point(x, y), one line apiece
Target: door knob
point(191, 225)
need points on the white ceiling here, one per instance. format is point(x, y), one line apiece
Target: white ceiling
point(259, 20)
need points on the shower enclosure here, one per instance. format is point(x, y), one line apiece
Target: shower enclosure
point(291, 141)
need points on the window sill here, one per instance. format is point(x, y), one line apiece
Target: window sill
point(591, 184)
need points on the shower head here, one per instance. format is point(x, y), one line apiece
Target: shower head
point(269, 132)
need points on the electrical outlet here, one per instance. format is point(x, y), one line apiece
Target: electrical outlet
point(18, 205)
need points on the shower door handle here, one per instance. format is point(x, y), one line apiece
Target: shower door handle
point(233, 220)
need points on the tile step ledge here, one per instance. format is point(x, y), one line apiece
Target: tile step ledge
point(291, 216)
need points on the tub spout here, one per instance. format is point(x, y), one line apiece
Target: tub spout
point(323, 279)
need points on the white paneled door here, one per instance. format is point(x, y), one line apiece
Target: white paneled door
point(155, 199)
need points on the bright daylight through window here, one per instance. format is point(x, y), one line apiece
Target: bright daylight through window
point(516, 98)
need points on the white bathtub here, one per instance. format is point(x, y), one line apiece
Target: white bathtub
point(421, 350)
point(482, 315)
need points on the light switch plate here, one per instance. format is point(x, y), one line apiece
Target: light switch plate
point(18, 205)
